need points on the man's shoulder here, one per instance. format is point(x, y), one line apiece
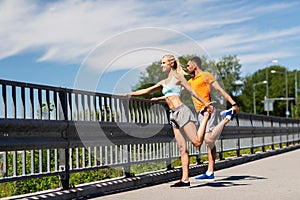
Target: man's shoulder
point(205, 73)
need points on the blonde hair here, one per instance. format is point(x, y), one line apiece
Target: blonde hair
point(176, 64)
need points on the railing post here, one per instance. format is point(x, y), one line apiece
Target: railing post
point(221, 150)
point(127, 164)
point(63, 114)
point(64, 153)
point(252, 145)
point(238, 150)
point(263, 144)
point(64, 166)
point(169, 156)
point(273, 146)
point(280, 142)
point(198, 158)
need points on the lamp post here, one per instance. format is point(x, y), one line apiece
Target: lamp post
point(296, 92)
point(267, 87)
point(296, 87)
point(254, 91)
point(287, 112)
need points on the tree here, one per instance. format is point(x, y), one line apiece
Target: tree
point(229, 70)
point(246, 98)
point(276, 89)
point(149, 78)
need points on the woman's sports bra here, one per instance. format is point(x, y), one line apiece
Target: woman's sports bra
point(171, 89)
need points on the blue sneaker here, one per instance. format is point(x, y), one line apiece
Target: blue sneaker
point(227, 114)
point(205, 177)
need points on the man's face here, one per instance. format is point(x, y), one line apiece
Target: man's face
point(190, 67)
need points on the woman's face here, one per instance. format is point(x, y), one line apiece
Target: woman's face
point(165, 64)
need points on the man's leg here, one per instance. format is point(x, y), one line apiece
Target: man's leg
point(202, 128)
point(211, 159)
point(211, 153)
point(216, 132)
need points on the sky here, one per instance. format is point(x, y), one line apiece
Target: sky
point(104, 45)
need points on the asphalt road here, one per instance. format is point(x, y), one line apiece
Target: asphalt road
point(275, 177)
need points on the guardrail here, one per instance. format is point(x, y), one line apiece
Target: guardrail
point(70, 131)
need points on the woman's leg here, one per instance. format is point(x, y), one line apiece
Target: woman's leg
point(190, 130)
point(181, 142)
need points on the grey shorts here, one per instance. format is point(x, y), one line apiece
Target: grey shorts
point(211, 123)
point(181, 115)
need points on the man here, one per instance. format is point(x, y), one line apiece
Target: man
point(202, 83)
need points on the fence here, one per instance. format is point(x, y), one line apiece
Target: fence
point(60, 131)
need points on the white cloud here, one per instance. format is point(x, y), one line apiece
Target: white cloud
point(66, 31)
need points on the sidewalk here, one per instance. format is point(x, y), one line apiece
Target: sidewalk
point(271, 178)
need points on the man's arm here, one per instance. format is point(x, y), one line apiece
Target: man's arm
point(222, 92)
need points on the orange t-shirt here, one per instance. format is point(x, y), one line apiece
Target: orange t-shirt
point(202, 85)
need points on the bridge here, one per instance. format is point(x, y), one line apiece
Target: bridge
point(55, 132)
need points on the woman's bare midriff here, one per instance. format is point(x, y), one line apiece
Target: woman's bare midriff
point(173, 102)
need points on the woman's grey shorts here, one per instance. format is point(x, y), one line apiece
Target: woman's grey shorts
point(181, 115)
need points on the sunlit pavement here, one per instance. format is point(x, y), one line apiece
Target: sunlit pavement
point(275, 177)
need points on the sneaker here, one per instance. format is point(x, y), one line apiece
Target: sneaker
point(227, 114)
point(205, 177)
point(181, 184)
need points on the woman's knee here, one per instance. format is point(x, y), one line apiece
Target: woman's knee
point(182, 150)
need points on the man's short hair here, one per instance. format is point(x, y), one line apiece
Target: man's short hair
point(196, 60)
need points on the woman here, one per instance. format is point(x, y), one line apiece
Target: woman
point(181, 117)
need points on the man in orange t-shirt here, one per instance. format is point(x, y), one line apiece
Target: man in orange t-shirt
point(202, 83)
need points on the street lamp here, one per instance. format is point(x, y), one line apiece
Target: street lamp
point(287, 112)
point(296, 87)
point(296, 92)
point(254, 91)
point(267, 87)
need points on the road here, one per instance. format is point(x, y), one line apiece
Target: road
point(275, 177)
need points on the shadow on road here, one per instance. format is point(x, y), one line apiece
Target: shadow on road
point(226, 182)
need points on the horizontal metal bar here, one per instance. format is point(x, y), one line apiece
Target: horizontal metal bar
point(27, 134)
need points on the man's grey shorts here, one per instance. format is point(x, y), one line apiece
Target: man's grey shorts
point(181, 115)
point(211, 122)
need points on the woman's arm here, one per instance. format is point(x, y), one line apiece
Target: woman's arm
point(158, 98)
point(146, 90)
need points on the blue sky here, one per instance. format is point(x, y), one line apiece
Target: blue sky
point(104, 45)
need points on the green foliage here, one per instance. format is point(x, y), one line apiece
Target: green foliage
point(230, 72)
point(147, 167)
point(276, 88)
point(150, 77)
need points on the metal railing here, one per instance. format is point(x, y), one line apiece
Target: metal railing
point(52, 131)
